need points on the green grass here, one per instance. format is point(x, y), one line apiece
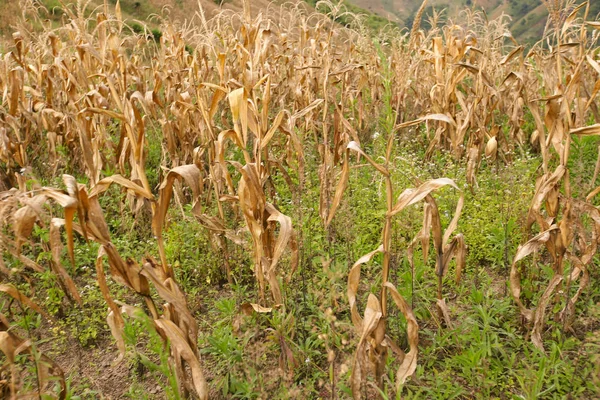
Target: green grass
point(485, 354)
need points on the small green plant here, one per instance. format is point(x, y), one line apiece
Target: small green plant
point(156, 34)
point(155, 356)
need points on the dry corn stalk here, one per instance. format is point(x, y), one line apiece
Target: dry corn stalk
point(568, 240)
point(92, 226)
point(372, 328)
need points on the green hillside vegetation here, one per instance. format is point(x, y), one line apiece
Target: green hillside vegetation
point(349, 12)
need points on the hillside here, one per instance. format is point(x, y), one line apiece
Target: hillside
point(140, 10)
point(528, 17)
point(526, 23)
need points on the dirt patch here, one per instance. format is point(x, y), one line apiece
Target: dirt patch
point(93, 370)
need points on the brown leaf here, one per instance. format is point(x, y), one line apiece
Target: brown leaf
point(7, 346)
point(182, 351)
point(105, 183)
point(592, 130)
point(17, 295)
point(353, 281)
point(515, 279)
point(511, 55)
point(409, 364)
point(192, 176)
point(538, 321)
point(456, 248)
point(432, 117)
point(56, 246)
point(373, 315)
point(412, 196)
point(354, 146)
point(339, 190)
point(441, 305)
point(239, 111)
point(170, 292)
point(274, 126)
point(285, 232)
point(24, 220)
point(249, 308)
point(454, 223)
point(547, 185)
point(114, 318)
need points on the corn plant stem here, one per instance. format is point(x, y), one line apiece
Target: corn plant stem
point(566, 312)
point(387, 242)
point(506, 244)
point(412, 281)
point(439, 291)
point(332, 368)
point(33, 351)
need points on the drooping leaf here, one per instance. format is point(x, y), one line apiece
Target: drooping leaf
point(409, 364)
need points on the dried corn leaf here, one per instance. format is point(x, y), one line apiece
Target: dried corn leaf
point(114, 319)
point(456, 248)
point(182, 351)
point(353, 281)
point(339, 190)
point(412, 196)
point(56, 246)
point(21, 298)
point(373, 314)
point(105, 183)
point(523, 251)
point(354, 146)
point(249, 308)
point(283, 240)
point(538, 321)
point(592, 130)
point(239, 111)
point(409, 364)
point(454, 223)
point(192, 176)
point(430, 117)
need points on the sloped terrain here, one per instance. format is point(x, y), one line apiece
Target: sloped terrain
point(528, 17)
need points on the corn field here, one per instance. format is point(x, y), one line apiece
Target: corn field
point(318, 163)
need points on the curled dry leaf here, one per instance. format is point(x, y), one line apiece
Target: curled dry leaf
point(21, 298)
point(523, 251)
point(339, 190)
point(48, 373)
point(24, 219)
point(192, 176)
point(373, 315)
point(56, 246)
point(538, 320)
point(355, 147)
point(114, 318)
point(181, 350)
point(412, 196)
point(249, 308)
point(105, 183)
point(409, 364)
point(285, 233)
point(456, 248)
point(443, 309)
point(353, 281)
